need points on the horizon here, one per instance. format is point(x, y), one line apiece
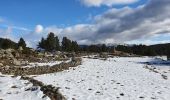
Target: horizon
point(87, 21)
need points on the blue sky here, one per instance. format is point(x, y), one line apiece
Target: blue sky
point(29, 13)
point(23, 18)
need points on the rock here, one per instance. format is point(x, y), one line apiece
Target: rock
point(16, 62)
point(73, 59)
point(103, 55)
point(8, 54)
point(1, 64)
point(20, 48)
point(7, 67)
point(64, 56)
point(15, 54)
point(122, 94)
point(24, 63)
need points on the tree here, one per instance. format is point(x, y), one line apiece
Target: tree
point(21, 43)
point(75, 46)
point(51, 42)
point(57, 43)
point(149, 52)
point(7, 43)
point(42, 43)
point(94, 48)
point(103, 48)
point(66, 44)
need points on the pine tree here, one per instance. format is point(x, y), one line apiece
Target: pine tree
point(103, 48)
point(21, 43)
point(66, 44)
point(57, 43)
point(51, 42)
point(42, 44)
point(75, 46)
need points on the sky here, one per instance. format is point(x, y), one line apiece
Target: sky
point(87, 21)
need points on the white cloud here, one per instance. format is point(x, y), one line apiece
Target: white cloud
point(122, 25)
point(98, 3)
point(20, 28)
point(7, 33)
point(115, 25)
point(156, 39)
point(39, 28)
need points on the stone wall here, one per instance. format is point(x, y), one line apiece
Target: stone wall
point(41, 69)
point(49, 90)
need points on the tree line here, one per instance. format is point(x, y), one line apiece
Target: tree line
point(52, 43)
point(144, 50)
point(7, 43)
point(152, 50)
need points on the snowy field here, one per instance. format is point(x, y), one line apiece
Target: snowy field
point(114, 79)
point(12, 88)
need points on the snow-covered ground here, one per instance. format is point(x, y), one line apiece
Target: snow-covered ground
point(123, 78)
point(12, 88)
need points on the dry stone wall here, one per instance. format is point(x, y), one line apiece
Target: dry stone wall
point(49, 90)
point(41, 69)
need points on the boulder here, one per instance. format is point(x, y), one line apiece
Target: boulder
point(15, 54)
point(1, 64)
point(8, 53)
point(20, 48)
point(16, 62)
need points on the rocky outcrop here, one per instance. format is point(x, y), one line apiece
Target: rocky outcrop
point(6, 53)
point(9, 57)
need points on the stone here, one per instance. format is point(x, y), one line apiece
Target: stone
point(16, 62)
point(20, 48)
point(24, 63)
point(15, 54)
point(1, 64)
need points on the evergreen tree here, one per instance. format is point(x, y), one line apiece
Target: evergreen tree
point(51, 42)
point(75, 46)
point(42, 44)
point(21, 43)
point(149, 52)
point(66, 44)
point(57, 43)
point(94, 48)
point(7, 43)
point(103, 48)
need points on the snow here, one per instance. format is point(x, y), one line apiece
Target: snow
point(51, 63)
point(119, 78)
point(12, 88)
point(162, 57)
point(162, 66)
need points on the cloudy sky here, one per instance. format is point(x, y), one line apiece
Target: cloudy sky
point(87, 21)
